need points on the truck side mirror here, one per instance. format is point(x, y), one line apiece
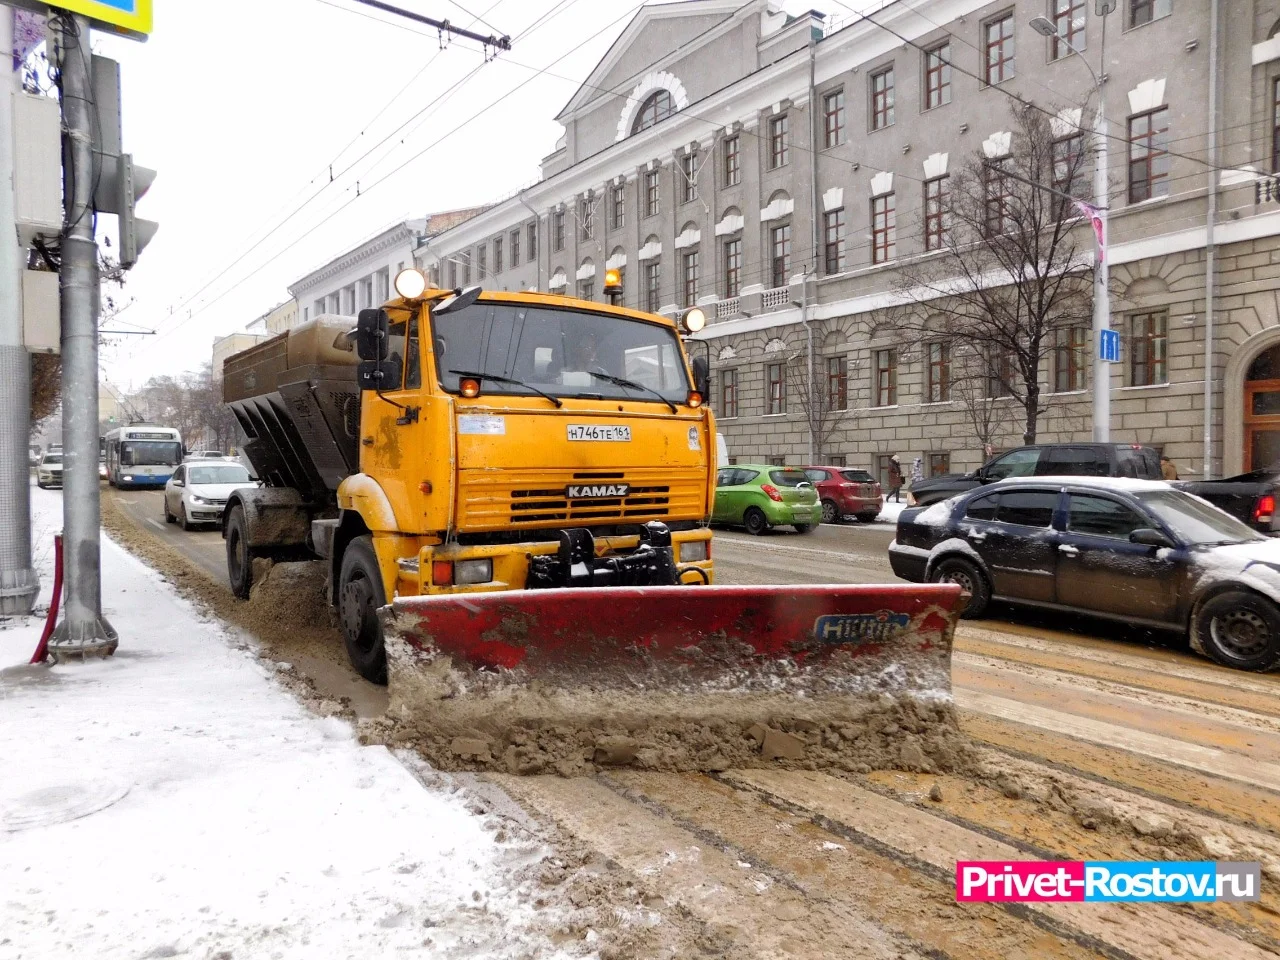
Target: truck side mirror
point(371, 334)
point(701, 376)
point(379, 375)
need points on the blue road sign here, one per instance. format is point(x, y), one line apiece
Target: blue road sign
point(1109, 345)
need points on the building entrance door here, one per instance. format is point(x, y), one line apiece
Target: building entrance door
point(1262, 412)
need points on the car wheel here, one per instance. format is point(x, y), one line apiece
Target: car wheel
point(168, 517)
point(1240, 629)
point(830, 512)
point(183, 522)
point(239, 559)
point(803, 528)
point(755, 522)
point(868, 517)
point(971, 581)
point(360, 594)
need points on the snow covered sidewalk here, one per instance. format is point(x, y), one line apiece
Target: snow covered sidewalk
point(175, 801)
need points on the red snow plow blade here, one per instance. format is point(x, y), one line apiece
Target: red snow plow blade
point(676, 678)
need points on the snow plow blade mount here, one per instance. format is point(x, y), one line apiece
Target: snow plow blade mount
point(676, 678)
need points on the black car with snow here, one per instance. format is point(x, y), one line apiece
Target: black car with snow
point(1045, 460)
point(1131, 550)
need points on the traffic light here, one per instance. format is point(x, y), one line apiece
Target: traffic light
point(120, 182)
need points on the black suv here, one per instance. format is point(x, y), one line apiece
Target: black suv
point(1047, 460)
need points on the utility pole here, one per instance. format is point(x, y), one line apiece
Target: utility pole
point(83, 632)
point(18, 582)
point(1102, 269)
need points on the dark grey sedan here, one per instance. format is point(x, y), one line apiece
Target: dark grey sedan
point(1131, 550)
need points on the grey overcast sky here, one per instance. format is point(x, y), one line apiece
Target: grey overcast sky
point(243, 106)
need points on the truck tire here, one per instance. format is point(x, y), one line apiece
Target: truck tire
point(239, 559)
point(971, 580)
point(1240, 629)
point(360, 594)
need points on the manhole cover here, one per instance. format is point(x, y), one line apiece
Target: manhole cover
point(57, 802)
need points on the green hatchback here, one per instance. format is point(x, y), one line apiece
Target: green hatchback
point(758, 496)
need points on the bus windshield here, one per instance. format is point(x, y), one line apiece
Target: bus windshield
point(562, 352)
point(141, 453)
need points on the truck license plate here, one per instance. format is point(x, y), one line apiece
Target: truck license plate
point(582, 431)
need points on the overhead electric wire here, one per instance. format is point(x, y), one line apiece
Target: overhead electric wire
point(263, 265)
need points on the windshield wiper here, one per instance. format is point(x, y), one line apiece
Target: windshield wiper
point(632, 385)
point(518, 383)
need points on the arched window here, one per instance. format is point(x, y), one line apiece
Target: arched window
point(656, 108)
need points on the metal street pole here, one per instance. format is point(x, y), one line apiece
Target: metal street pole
point(18, 581)
point(1101, 283)
point(83, 631)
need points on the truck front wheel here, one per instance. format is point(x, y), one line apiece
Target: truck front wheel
point(360, 594)
point(239, 559)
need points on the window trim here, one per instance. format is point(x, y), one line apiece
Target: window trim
point(1148, 139)
point(779, 148)
point(779, 236)
point(888, 390)
point(732, 267)
point(653, 285)
point(833, 247)
point(732, 160)
point(652, 193)
point(688, 280)
point(1129, 10)
point(838, 382)
point(557, 231)
point(943, 72)
point(937, 226)
point(984, 50)
point(937, 372)
point(688, 177)
point(833, 121)
point(1058, 50)
point(881, 114)
point(618, 206)
point(1076, 354)
point(775, 400)
point(728, 394)
point(1156, 369)
point(884, 228)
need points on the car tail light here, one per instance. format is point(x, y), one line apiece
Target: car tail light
point(771, 491)
point(1264, 508)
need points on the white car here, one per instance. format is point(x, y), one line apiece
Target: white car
point(197, 491)
point(49, 471)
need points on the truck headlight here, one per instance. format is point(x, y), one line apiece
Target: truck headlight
point(692, 551)
point(472, 571)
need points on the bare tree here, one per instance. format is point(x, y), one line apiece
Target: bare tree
point(1015, 260)
point(976, 386)
point(824, 407)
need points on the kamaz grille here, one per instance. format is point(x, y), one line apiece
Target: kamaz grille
point(539, 506)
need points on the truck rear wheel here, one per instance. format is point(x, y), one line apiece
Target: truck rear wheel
point(239, 559)
point(360, 594)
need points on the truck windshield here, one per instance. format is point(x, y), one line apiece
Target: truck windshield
point(139, 453)
point(566, 353)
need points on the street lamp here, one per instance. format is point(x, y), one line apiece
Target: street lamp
point(1102, 270)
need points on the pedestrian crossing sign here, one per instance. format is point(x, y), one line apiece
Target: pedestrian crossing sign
point(130, 17)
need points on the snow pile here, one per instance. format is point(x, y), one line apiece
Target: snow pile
point(174, 801)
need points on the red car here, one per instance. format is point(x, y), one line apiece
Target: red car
point(845, 492)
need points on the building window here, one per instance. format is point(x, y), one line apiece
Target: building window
point(618, 207)
point(497, 255)
point(1068, 22)
point(837, 383)
point(728, 393)
point(1149, 155)
point(318, 306)
point(882, 99)
point(689, 278)
point(937, 373)
point(655, 109)
point(1068, 164)
point(995, 188)
point(482, 262)
point(1149, 337)
point(777, 461)
point(776, 380)
point(688, 178)
point(557, 230)
point(586, 289)
point(778, 142)
point(586, 218)
point(1144, 11)
point(937, 76)
point(515, 248)
point(884, 229)
point(652, 280)
point(466, 269)
point(939, 464)
point(732, 268)
point(1070, 354)
point(999, 374)
point(652, 193)
point(732, 162)
point(833, 118)
point(886, 378)
point(833, 240)
point(453, 275)
point(780, 255)
point(997, 42)
point(533, 241)
point(839, 460)
point(937, 215)
point(1275, 126)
